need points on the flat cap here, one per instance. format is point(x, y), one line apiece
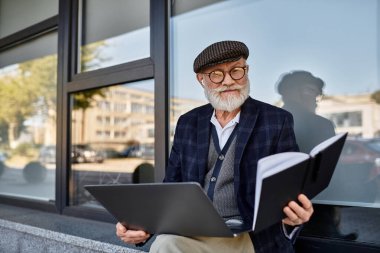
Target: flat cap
point(296, 79)
point(220, 52)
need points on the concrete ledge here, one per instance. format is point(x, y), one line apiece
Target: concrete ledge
point(16, 237)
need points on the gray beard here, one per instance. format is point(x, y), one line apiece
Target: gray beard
point(229, 103)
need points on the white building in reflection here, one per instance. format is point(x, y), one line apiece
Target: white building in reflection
point(123, 117)
point(358, 115)
point(126, 115)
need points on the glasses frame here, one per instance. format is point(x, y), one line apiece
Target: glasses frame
point(245, 68)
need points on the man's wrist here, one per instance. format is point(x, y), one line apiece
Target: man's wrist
point(290, 231)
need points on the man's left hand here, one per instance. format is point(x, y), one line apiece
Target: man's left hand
point(296, 214)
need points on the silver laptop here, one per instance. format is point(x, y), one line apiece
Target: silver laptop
point(165, 208)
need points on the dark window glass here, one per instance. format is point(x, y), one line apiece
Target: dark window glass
point(114, 32)
point(33, 11)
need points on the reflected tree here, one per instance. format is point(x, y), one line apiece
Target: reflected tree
point(15, 103)
point(90, 58)
point(29, 89)
point(376, 96)
point(25, 89)
point(91, 55)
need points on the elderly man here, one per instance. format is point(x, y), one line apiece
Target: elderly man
point(219, 145)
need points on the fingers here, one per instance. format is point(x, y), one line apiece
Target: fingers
point(306, 203)
point(292, 218)
point(296, 214)
point(120, 229)
point(131, 236)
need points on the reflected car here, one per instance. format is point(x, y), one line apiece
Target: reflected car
point(110, 153)
point(47, 154)
point(361, 152)
point(142, 151)
point(356, 175)
point(82, 153)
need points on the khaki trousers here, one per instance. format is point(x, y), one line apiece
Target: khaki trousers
point(180, 244)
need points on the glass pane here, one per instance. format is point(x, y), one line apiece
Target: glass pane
point(114, 32)
point(32, 12)
point(28, 92)
point(325, 71)
point(112, 137)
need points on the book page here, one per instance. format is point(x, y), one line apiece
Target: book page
point(275, 163)
point(325, 144)
point(271, 165)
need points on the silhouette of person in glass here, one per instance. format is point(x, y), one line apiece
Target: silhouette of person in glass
point(300, 91)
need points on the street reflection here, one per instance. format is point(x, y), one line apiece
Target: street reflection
point(112, 138)
point(27, 126)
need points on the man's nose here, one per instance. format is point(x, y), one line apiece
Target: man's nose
point(228, 79)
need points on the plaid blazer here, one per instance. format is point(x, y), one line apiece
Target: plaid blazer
point(263, 130)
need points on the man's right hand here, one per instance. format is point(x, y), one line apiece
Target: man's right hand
point(130, 236)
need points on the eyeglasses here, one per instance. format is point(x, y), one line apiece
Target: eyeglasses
point(217, 76)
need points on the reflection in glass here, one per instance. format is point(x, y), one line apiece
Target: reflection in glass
point(349, 99)
point(112, 140)
point(28, 127)
point(349, 69)
point(114, 33)
point(356, 177)
point(299, 91)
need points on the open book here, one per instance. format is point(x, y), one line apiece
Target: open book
point(282, 177)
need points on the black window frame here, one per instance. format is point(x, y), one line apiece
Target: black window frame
point(69, 81)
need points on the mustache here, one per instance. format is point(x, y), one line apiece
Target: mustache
point(227, 88)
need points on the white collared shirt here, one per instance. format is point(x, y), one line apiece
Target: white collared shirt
point(224, 132)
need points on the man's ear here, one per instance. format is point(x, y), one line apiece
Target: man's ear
point(200, 79)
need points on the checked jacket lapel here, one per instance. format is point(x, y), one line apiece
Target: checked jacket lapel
point(203, 141)
point(248, 117)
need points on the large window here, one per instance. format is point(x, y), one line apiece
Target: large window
point(28, 91)
point(112, 141)
point(334, 42)
point(113, 32)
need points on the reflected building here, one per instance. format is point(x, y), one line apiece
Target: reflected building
point(357, 175)
point(179, 106)
point(358, 115)
point(122, 116)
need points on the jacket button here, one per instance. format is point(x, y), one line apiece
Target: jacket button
point(221, 157)
point(213, 179)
